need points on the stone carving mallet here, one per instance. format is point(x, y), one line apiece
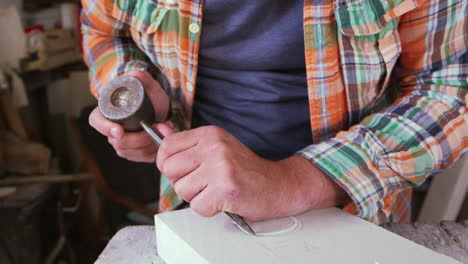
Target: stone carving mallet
point(123, 100)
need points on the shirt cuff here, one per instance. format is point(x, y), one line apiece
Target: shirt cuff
point(352, 161)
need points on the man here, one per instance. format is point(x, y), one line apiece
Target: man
point(287, 106)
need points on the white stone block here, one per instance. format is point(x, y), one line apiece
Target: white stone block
point(326, 236)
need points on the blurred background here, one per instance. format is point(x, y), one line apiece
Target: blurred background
point(63, 190)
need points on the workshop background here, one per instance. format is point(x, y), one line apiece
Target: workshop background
point(63, 190)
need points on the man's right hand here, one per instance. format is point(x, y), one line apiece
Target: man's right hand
point(136, 146)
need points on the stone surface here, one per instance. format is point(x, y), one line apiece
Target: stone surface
point(327, 236)
point(131, 245)
point(448, 238)
point(137, 244)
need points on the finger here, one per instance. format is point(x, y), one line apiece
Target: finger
point(166, 128)
point(181, 164)
point(190, 186)
point(143, 76)
point(149, 84)
point(104, 126)
point(150, 148)
point(180, 141)
point(133, 140)
point(141, 155)
point(204, 203)
point(155, 92)
point(116, 144)
point(171, 125)
point(175, 143)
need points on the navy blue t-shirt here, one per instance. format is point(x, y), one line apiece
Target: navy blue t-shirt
point(251, 76)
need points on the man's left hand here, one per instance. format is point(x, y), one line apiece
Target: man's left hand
point(214, 172)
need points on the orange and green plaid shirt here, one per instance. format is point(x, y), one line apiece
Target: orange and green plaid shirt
point(387, 84)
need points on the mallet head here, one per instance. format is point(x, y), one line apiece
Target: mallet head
point(124, 101)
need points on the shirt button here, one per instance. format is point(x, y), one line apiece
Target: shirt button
point(189, 87)
point(194, 28)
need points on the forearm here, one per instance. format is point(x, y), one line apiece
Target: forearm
point(314, 189)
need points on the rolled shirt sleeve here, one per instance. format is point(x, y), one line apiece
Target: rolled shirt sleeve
point(424, 131)
point(109, 50)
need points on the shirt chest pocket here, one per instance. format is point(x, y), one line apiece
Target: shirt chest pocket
point(369, 48)
point(147, 22)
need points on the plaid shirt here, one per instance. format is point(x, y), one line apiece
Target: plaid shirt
point(387, 84)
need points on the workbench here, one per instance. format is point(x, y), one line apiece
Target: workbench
point(137, 244)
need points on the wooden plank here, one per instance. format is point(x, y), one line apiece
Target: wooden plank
point(20, 180)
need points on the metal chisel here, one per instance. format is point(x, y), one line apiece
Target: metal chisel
point(123, 100)
point(157, 138)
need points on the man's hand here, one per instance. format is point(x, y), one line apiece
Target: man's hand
point(135, 146)
point(213, 171)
